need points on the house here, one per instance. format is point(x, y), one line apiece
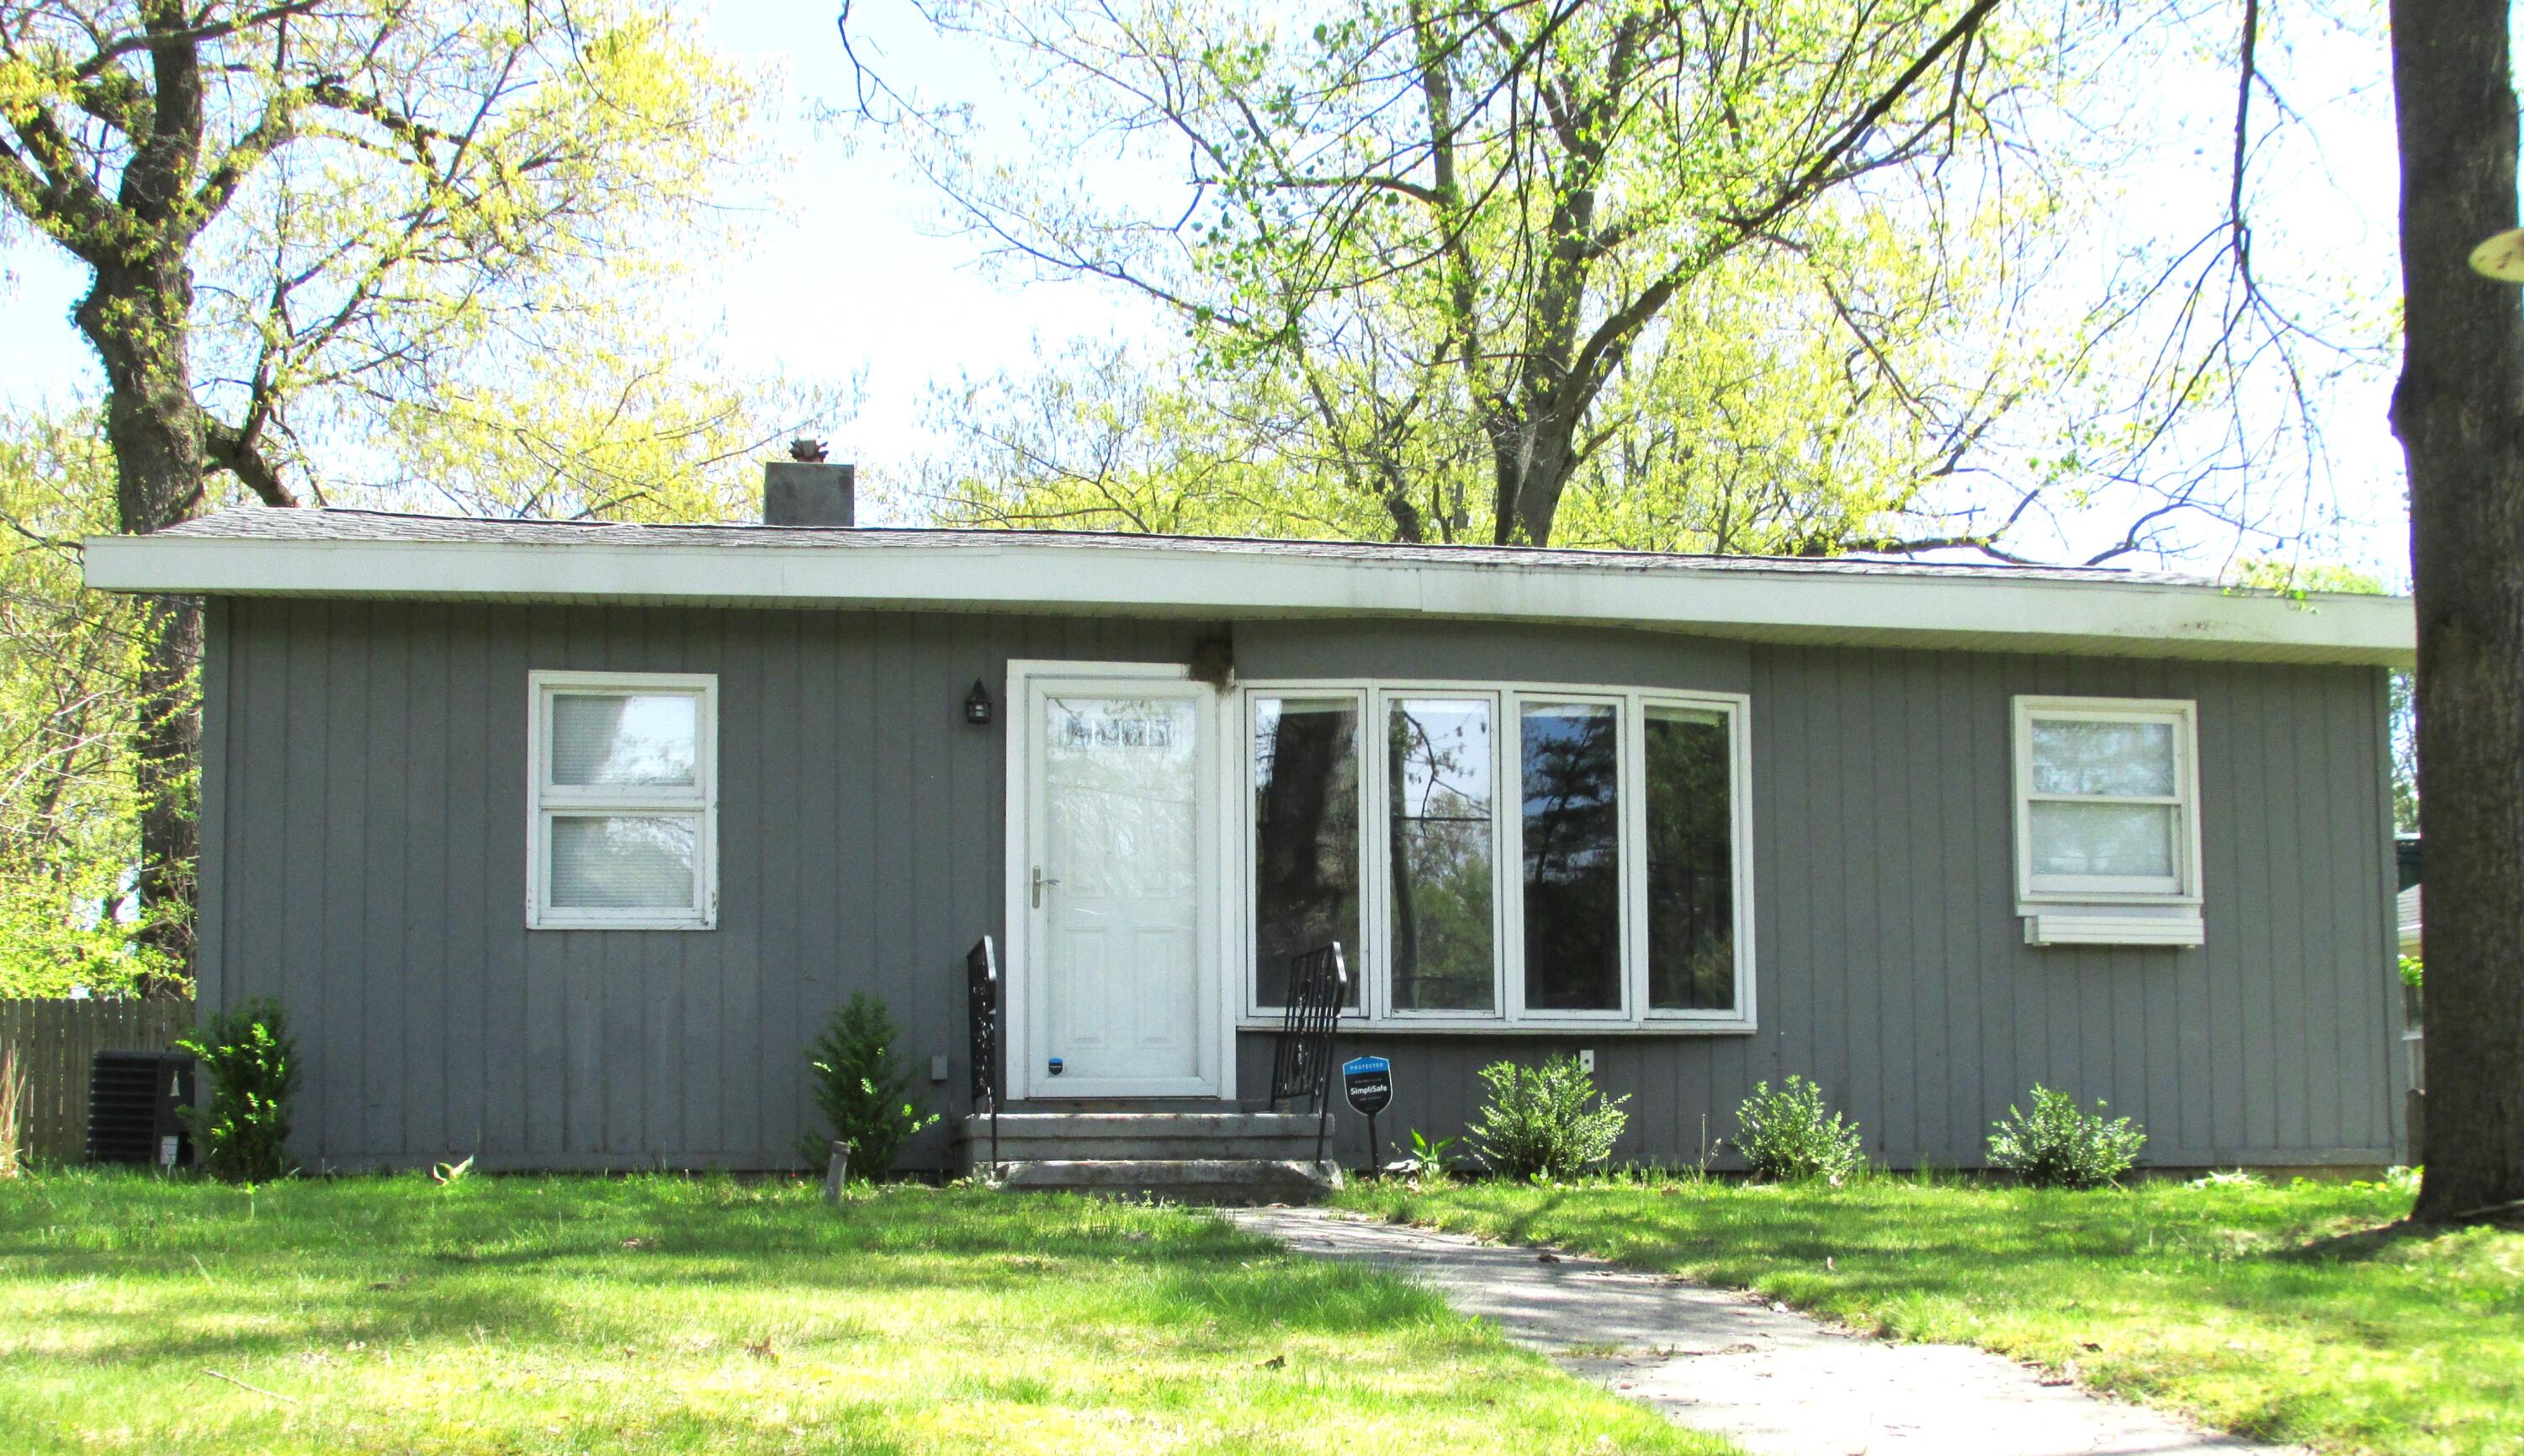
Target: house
point(559, 841)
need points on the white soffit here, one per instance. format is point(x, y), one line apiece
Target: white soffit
point(1903, 606)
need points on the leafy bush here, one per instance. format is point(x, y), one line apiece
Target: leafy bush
point(2060, 1147)
point(1788, 1135)
point(1547, 1121)
point(251, 1064)
point(862, 1089)
point(1431, 1161)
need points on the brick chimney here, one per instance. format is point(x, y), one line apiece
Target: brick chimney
point(804, 491)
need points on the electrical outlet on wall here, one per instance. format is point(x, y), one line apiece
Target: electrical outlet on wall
point(1586, 1059)
point(937, 1067)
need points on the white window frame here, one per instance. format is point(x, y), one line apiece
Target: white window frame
point(1370, 959)
point(546, 802)
point(2111, 909)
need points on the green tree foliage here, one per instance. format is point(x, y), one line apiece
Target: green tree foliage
point(1536, 272)
point(299, 217)
point(251, 1063)
point(69, 834)
point(862, 1089)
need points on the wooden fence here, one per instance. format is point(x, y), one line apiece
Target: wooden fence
point(55, 1040)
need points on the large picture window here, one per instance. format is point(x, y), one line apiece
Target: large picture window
point(1305, 833)
point(622, 834)
point(1501, 855)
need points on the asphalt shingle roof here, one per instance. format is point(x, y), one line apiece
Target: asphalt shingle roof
point(275, 523)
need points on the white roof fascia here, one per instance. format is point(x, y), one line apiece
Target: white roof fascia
point(2116, 617)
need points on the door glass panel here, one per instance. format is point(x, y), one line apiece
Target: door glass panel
point(1439, 759)
point(1121, 806)
point(1305, 836)
point(1571, 756)
point(618, 739)
point(1691, 862)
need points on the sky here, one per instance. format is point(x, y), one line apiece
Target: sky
point(849, 271)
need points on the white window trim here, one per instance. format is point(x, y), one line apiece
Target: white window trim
point(544, 802)
point(1370, 958)
point(2104, 910)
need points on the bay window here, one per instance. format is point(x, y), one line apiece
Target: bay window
point(1514, 857)
point(621, 833)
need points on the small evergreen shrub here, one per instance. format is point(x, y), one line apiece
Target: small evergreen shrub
point(1546, 1122)
point(2060, 1147)
point(1788, 1135)
point(863, 1091)
point(251, 1063)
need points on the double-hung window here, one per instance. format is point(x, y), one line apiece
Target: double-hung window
point(1502, 855)
point(2107, 821)
point(622, 833)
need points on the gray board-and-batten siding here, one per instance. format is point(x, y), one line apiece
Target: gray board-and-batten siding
point(364, 860)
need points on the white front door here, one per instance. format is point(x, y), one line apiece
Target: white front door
point(1121, 996)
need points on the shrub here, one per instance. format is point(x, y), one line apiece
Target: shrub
point(1547, 1121)
point(2060, 1147)
point(1432, 1162)
point(1789, 1134)
point(251, 1064)
point(862, 1089)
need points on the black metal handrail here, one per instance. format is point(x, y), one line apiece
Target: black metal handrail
point(1301, 1058)
point(982, 1000)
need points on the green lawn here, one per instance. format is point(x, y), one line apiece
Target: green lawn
point(660, 1314)
point(2279, 1313)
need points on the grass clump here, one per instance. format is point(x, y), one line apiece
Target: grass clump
point(2058, 1146)
point(1789, 1135)
point(2305, 1313)
point(652, 1314)
point(1547, 1122)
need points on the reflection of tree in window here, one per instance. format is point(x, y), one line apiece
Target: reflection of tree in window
point(1691, 862)
point(1439, 762)
point(1572, 869)
point(618, 739)
point(1305, 836)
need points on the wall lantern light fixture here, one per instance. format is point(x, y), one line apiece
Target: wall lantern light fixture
point(977, 705)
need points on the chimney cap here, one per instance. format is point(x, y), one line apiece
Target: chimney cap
point(807, 449)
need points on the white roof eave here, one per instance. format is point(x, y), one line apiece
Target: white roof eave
point(1984, 612)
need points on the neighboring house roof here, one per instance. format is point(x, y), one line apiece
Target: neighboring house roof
point(2406, 911)
point(334, 552)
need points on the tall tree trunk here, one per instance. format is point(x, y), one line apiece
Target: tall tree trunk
point(1532, 455)
point(2460, 413)
point(137, 317)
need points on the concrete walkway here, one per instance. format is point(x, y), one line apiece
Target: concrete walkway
point(1777, 1383)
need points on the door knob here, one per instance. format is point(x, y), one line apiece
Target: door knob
point(1038, 881)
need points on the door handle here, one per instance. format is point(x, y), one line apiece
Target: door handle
point(1039, 883)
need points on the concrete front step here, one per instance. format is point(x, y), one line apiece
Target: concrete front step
point(1140, 1137)
point(1232, 1181)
